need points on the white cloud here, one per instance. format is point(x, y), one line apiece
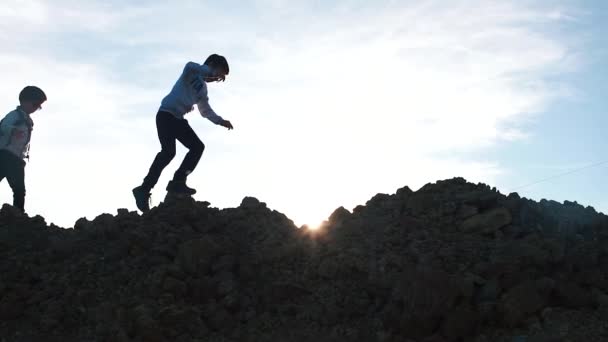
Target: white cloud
point(331, 104)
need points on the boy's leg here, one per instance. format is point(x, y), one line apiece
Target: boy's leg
point(15, 175)
point(166, 126)
point(195, 146)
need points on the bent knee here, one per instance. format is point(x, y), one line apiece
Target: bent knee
point(199, 147)
point(167, 153)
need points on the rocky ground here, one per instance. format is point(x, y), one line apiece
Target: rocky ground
point(453, 261)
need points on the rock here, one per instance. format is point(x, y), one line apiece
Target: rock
point(490, 291)
point(338, 216)
point(252, 203)
point(219, 319)
point(10, 308)
point(520, 302)
point(572, 295)
point(145, 326)
point(281, 291)
point(466, 211)
point(81, 224)
point(174, 286)
point(178, 319)
point(488, 221)
point(226, 283)
point(426, 296)
point(196, 256)
point(460, 323)
point(600, 299)
point(396, 269)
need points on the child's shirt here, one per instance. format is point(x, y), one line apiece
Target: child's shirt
point(190, 89)
point(16, 132)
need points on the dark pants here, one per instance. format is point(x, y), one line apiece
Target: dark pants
point(170, 129)
point(13, 168)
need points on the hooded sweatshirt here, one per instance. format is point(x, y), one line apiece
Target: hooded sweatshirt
point(16, 132)
point(191, 89)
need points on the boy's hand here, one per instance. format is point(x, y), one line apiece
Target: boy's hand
point(226, 124)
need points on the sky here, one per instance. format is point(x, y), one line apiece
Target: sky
point(331, 101)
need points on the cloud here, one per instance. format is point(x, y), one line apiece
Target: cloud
point(331, 103)
point(362, 92)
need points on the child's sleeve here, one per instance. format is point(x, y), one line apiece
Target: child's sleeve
point(13, 129)
point(9, 123)
point(199, 69)
point(207, 111)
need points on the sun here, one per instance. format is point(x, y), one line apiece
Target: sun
point(314, 226)
point(308, 218)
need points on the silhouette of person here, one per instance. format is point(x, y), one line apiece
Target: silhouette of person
point(15, 134)
point(190, 89)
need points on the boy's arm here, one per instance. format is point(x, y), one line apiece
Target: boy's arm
point(207, 112)
point(9, 123)
point(202, 70)
point(198, 68)
point(13, 126)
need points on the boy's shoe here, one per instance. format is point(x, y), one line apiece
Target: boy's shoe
point(180, 188)
point(142, 198)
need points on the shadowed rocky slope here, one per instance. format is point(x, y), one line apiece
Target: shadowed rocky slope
point(453, 261)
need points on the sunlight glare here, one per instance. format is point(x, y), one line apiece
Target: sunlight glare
point(313, 224)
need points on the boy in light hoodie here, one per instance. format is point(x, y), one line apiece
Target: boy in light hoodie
point(190, 89)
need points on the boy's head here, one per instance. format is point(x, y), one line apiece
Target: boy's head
point(31, 99)
point(220, 68)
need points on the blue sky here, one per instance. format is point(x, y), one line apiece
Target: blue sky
point(568, 134)
point(332, 102)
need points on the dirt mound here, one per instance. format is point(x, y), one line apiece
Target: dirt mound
point(453, 261)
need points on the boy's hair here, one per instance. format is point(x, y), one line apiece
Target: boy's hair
point(218, 62)
point(33, 94)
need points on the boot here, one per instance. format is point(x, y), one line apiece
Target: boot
point(180, 187)
point(142, 198)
